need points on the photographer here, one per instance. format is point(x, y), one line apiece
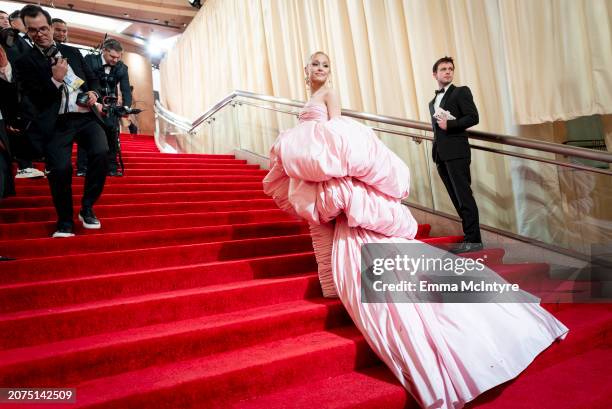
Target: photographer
point(62, 89)
point(112, 73)
point(7, 185)
point(4, 20)
point(17, 43)
point(60, 30)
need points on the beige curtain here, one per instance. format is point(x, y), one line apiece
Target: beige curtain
point(525, 61)
point(559, 58)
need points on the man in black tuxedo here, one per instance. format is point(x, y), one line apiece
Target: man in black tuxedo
point(62, 90)
point(451, 150)
point(112, 74)
point(7, 183)
point(23, 43)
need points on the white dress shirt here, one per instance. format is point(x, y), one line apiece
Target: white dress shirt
point(107, 69)
point(69, 95)
point(439, 98)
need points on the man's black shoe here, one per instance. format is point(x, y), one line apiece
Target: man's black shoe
point(89, 219)
point(64, 231)
point(5, 258)
point(81, 173)
point(115, 173)
point(466, 248)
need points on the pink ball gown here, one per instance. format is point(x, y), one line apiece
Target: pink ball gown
point(337, 175)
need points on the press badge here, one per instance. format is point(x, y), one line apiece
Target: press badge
point(72, 81)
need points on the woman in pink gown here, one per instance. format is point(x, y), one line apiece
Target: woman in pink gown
point(336, 174)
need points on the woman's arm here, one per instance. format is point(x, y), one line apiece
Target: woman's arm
point(333, 103)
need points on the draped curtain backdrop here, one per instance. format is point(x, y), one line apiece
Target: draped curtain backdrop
point(527, 62)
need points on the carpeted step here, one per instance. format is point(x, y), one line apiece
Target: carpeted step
point(128, 154)
point(146, 222)
point(196, 166)
point(129, 198)
point(213, 380)
point(80, 359)
point(376, 387)
point(80, 265)
point(34, 327)
point(149, 188)
point(195, 172)
point(225, 179)
point(64, 292)
point(170, 160)
point(138, 209)
point(582, 382)
point(150, 239)
point(125, 240)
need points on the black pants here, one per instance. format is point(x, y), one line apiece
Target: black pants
point(456, 177)
point(111, 135)
point(21, 149)
point(7, 181)
point(58, 151)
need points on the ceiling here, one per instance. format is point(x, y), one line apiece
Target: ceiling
point(150, 19)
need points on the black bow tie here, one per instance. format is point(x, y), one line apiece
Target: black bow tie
point(439, 91)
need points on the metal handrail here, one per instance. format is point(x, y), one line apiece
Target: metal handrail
point(541, 146)
point(171, 117)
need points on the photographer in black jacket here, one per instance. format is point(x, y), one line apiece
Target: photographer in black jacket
point(62, 89)
point(112, 74)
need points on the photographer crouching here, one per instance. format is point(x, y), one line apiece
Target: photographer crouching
point(63, 90)
point(112, 74)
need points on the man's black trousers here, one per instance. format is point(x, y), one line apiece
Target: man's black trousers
point(456, 177)
point(90, 136)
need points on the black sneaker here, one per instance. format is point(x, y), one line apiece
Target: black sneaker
point(115, 173)
point(81, 173)
point(64, 231)
point(89, 219)
point(466, 248)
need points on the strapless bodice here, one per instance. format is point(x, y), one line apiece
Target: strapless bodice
point(313, 111)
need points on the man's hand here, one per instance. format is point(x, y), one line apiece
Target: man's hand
point(60, 69)
point(442, 123)
point(3, 58)
point(12, 130)
point(93, 97)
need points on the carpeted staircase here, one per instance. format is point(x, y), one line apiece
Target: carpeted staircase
point(198, 292)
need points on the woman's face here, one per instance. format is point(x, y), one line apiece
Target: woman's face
point(318, 69)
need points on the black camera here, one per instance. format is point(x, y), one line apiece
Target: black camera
point(51, 54)
point(8, 37)
point(111, 107)
point(82, 99)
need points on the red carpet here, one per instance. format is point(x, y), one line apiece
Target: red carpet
point(198, 292)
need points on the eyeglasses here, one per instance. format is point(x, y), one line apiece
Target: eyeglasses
point(35, 31)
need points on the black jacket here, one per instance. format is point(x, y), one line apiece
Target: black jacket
point(452, 143)
point(119, 71)
point(34, 76)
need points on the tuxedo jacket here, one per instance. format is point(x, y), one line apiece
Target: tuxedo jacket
point(452, 143)
point(34, 76)
point(18, 49)
point(119, 71)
